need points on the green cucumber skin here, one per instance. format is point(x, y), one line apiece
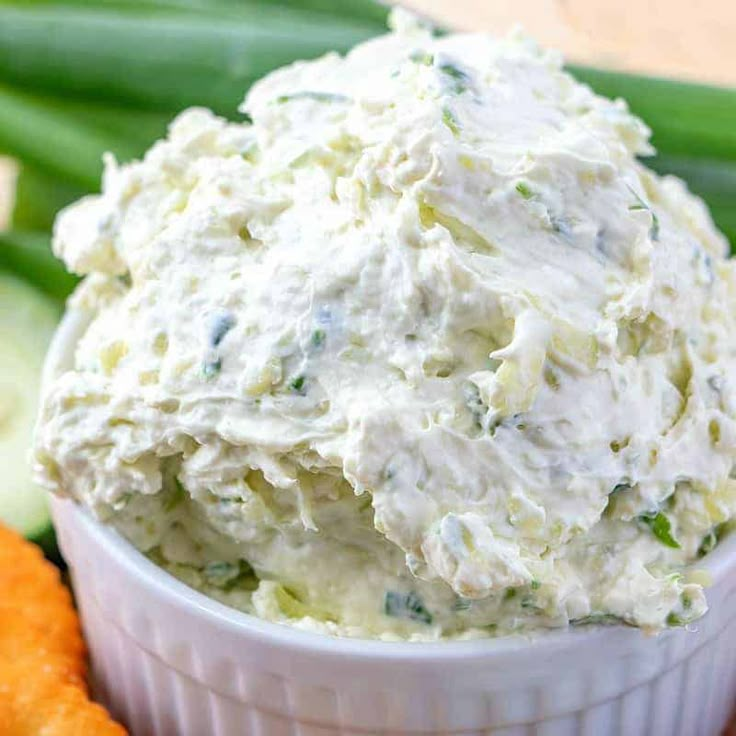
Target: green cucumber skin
point(46, 539)
point(28, 319)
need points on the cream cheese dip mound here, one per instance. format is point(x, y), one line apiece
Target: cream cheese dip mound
point(419, 350)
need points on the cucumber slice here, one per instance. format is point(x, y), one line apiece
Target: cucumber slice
point(27, 322)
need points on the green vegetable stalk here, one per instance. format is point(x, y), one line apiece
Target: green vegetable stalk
point(149, 58)
point(28, 254)
point(46, 134)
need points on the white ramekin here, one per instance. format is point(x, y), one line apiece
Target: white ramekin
point(167, 660)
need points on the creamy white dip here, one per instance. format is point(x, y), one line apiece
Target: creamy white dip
point(421, 351)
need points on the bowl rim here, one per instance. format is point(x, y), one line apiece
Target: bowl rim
point(719, 563)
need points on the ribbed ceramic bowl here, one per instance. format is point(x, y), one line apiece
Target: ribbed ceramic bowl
point(167, 660)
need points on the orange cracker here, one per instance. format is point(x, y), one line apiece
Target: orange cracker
point(43, 690)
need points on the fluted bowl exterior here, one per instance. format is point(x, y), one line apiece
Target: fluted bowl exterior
point(168, 661)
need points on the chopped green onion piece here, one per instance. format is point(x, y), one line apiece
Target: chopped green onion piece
point(226, 575)
point(406, 605)
point(449, 119)
point(460, 79)
point(600, 619)
point(711, 539)
point(221, 325)
point(674, 619)
point(524, 189)
point(639, 205)
point(210, 368)
point(462, 604)
point(176, 496)
point(318, 338)
point(661, 528)
point(316, 96)
point(422, 57)
point(297, 385)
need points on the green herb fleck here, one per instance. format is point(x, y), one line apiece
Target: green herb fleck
point(661, 528)
point(449, 119)
point(674, 619)
point(600, 619)
point(524, 189)
point(211, 368)
point(551, 378)
point(297, 385)
point(248, 154)
point(175, 497)
point(406, 605)
point(318, 338)
point(708, 544)
point(316, 96)
point(460, 79)
point(226, 575)
point(510, 594)
point(422, 57)
point(475, 405)
point(562, 226)
point(639, 205)
point(462, 604)
point(536, 585)
point(710, 540)
point(221, 325)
